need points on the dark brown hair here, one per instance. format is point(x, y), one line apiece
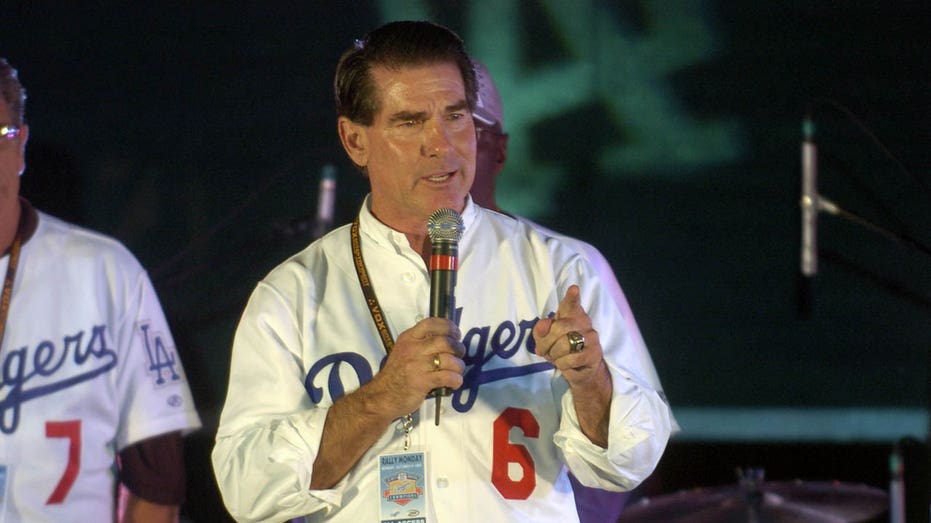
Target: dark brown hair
point(395, 45)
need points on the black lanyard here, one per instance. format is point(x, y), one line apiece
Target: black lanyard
point(377, 315)
point(367, 290)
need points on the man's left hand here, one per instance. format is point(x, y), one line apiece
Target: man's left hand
point(552, 338)
point(584, 368)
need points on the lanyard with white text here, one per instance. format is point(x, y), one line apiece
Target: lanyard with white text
point(375, 309)
point(11, 274)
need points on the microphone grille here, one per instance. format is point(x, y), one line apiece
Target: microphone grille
point(445, 225)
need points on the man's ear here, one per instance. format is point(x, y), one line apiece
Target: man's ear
point(502, 152)
point(23, 138)
point(354, 138)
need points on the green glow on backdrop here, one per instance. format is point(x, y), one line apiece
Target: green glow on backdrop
point(622, 72)
point(608, 81)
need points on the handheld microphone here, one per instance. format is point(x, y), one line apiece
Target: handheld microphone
point(444, 227)
point(326, 198)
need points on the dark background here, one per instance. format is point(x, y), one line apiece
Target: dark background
point(196, 133)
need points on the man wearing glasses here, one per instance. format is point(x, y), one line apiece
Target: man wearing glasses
point(91, 384)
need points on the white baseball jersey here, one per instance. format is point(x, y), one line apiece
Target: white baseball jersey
point(88, 368)
point(505, 438)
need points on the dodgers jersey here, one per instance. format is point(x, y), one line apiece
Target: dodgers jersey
point(89, 367)
point(501, 450)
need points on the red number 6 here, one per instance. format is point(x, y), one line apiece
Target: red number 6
point(505, 453)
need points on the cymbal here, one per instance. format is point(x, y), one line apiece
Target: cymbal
point(767, 502)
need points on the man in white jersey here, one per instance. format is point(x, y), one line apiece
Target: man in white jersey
point(594, 505)
point(325, 415)
point(92, 390)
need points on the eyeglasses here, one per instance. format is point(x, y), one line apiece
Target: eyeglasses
point(481, 130)
point(9, 132)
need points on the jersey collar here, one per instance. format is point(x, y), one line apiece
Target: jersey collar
point(384, 236)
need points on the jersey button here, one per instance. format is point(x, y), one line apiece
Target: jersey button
point(407, 277)
point(442, 482)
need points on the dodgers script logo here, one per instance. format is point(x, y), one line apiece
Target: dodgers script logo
point(30, 373)
point(481, 343)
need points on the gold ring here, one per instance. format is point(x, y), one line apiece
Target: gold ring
point(576, 341)
point(436, 362)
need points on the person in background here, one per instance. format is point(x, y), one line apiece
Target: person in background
point(326, 414)
point(594, 505)
point(92, 391)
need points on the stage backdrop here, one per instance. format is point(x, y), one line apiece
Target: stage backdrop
point(667, 133)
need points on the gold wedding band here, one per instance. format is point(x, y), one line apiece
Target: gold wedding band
point(576, 341)
point(436, 362)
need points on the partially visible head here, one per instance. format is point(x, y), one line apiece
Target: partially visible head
point(12, 148)
point(394, 46)
point(488, 112)
point(491, 148)
point(13, 94)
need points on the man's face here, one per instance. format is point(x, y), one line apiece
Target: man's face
point(12, 160)
point(420, 149)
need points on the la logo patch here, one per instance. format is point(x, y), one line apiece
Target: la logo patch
point(163, 360)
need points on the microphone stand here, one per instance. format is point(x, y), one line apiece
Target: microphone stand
point(825, 205)
point(917, 510)
point(917, 461)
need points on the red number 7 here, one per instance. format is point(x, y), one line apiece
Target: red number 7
point(72, 431)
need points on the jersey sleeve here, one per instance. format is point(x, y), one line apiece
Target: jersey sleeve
point(154, 394)
point(640, 418)
point(269, 432)
point(153, 469)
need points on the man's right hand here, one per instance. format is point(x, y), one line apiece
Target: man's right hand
point(410, 371)
point(356, 421)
